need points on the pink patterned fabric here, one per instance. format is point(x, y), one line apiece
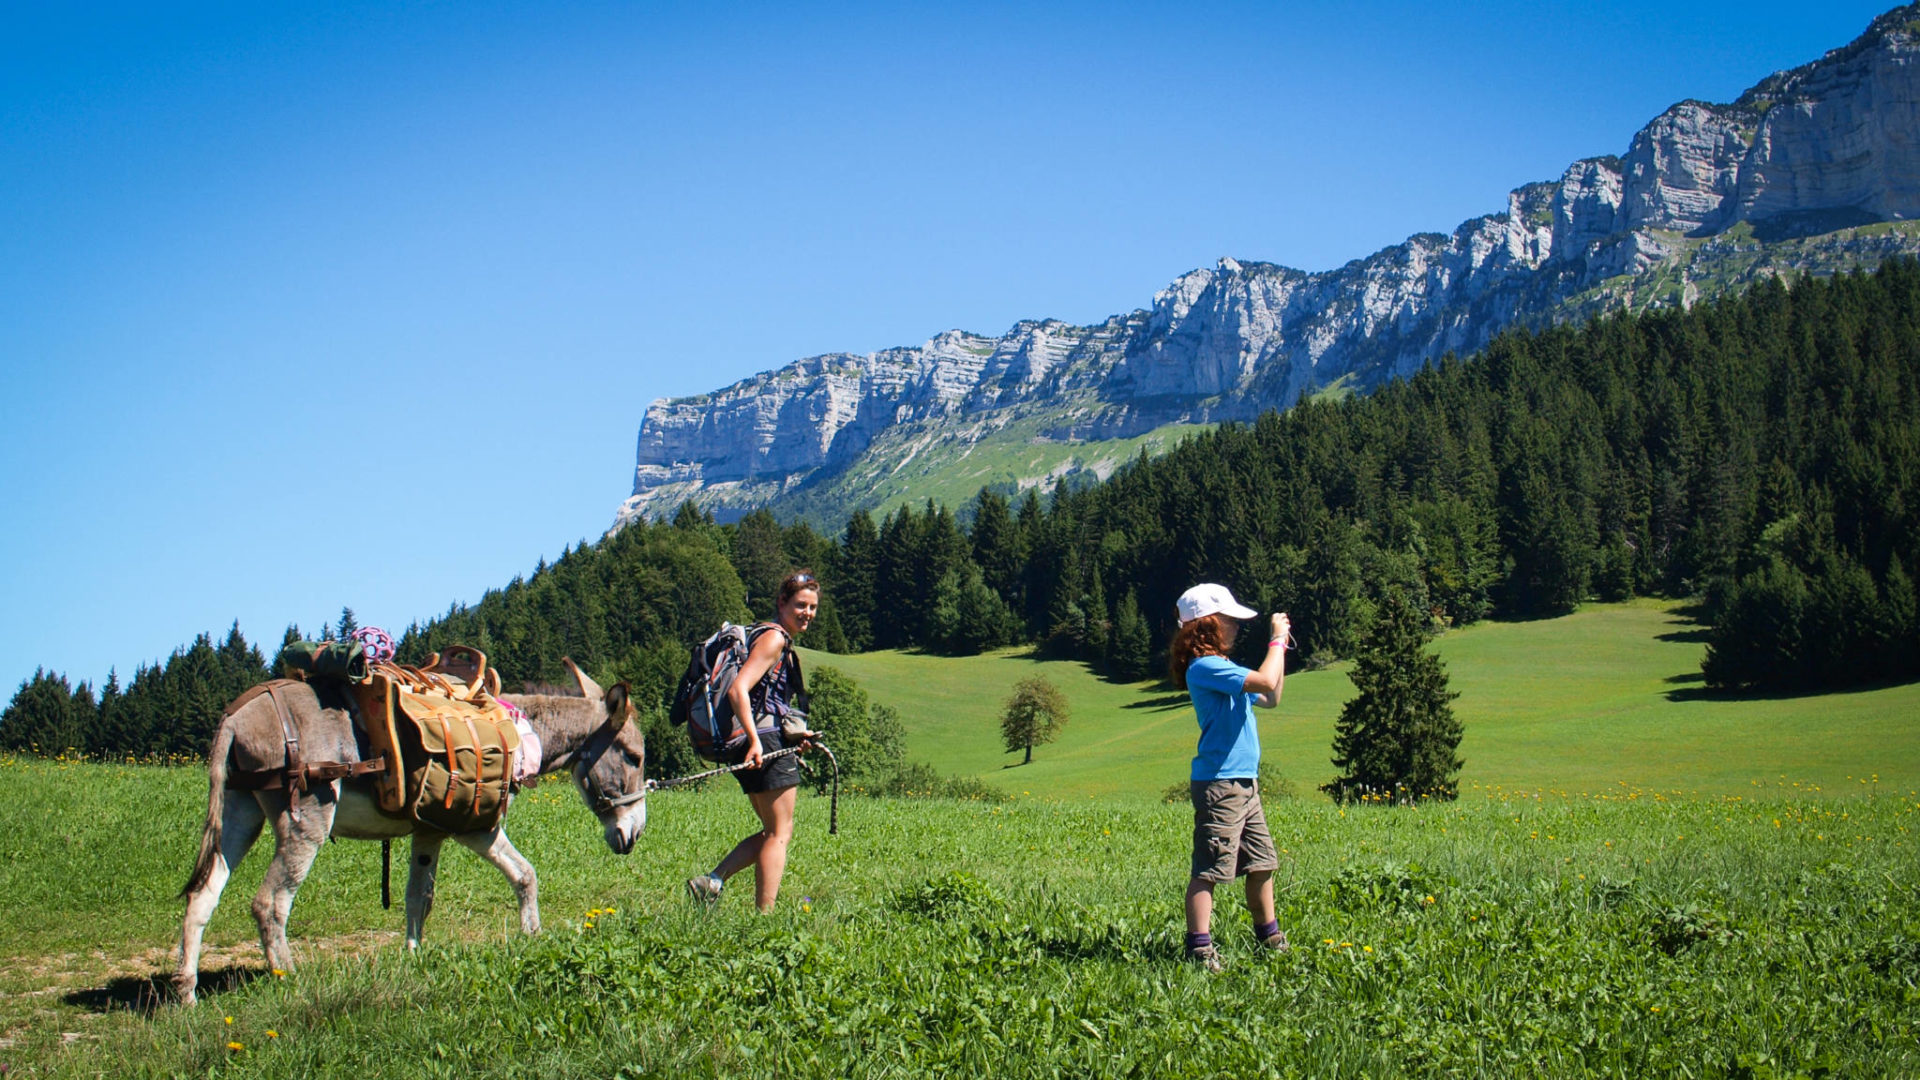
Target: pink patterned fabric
point(526, 760)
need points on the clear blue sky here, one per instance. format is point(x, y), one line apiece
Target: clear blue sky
point(275, 277)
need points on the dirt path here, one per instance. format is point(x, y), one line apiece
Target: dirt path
point(59, 997)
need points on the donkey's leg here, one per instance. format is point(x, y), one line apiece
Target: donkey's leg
point(498, 850)
point(421, 869)
point(240, 821)
point(296, 847)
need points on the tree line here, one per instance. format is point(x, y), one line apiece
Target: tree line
point(1760, 454)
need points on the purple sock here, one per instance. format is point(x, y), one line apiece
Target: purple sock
point(1198, 941)
point(1266, 930)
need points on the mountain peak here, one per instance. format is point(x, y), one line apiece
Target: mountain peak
point(1706, 198)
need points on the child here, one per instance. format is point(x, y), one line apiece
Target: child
point(1230, 837)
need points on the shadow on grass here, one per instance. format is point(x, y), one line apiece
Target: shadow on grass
point(1688, 677)
point(1164, 702)
point(1710, 693)
point(148, 994)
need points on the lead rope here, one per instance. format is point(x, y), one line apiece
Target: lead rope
point(386, 875)
point(833, 813)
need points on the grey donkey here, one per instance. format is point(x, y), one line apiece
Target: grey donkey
point(591, 736)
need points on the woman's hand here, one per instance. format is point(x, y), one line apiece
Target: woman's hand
point(1282, 628)
point(753, 759)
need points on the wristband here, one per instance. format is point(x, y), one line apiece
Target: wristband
point(1277, 641)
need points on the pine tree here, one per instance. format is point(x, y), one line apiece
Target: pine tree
point(1130, 657)
point(1033, 716)
point(1396, 739)
point(854, 567)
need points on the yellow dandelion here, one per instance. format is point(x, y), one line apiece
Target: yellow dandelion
point(229, 1021)
point(806, 907)
point(1366, 948)
point(235, 1046)
point(272, 1034)
point(279, 974)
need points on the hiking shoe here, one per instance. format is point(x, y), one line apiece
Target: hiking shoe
point(704, 889)
point(1274, 942)
point(1207, 957)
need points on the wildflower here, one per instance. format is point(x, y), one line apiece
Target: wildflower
point(806, 907)
point(279, 974)
point(1428, 899)
point(272, 1034)
point(1366, 948)
point(235, 1046)
point(229, 1021)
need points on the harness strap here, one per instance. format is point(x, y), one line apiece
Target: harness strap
point(275, 779)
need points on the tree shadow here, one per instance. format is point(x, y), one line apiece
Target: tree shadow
point(148, 994)
point(1162, 703)
point(1710, 693)
point(1687, 677)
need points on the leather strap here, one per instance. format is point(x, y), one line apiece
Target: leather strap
point(275, 779)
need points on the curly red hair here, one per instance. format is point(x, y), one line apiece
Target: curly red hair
point(1204, 636)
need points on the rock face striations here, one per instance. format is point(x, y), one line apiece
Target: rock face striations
point(1815, 169)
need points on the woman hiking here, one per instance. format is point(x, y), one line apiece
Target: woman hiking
point(1230, 837)
point(768, 690)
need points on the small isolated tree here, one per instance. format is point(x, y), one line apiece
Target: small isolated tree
point(1397, 738)
point(1034, 715)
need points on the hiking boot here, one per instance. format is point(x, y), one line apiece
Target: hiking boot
point(1206, 956)
point(1274, 942)
point(704, 889)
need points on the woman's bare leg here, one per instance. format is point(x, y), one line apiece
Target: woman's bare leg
point(766, 850)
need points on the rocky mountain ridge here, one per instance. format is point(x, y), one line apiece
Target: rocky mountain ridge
point(1802, 173)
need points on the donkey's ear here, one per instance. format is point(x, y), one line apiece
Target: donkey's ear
point(619, 705)
point(588, 688)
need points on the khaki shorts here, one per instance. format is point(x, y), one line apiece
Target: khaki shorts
point(1230, 835)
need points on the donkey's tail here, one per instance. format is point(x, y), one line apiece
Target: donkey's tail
point(216, 807)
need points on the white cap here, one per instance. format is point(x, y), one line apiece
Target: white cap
point(1210, 600)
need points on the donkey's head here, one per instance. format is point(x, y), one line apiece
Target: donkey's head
point(610, 768)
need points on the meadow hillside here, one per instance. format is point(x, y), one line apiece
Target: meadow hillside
point(1605, 698)
point(1639, 879)
point(1769, 934)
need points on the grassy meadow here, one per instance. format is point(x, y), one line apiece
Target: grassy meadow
point(1595, 702)
point(1638, 880)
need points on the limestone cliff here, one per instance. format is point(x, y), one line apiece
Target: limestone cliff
point(1799, 174)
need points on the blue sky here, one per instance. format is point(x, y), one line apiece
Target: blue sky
point(304, 307)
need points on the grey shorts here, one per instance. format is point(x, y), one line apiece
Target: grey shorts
point(1230, 835)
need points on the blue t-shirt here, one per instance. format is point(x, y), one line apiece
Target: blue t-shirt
point(1229, 741)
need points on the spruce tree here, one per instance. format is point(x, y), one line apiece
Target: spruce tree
point(1397, 738)
point(1130, 656)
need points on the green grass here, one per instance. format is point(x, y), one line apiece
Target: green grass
point(1638, 880)
point(1564, 936)
point(1607, 697)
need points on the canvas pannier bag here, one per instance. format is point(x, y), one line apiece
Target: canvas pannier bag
point(450, 743)
point(459, 761)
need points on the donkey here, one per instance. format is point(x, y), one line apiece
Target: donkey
point(590, 735)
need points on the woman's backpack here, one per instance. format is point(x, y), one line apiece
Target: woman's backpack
point(701, 700)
